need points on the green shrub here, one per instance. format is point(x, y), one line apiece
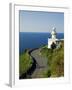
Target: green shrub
point(25, 62)
point(55, 60)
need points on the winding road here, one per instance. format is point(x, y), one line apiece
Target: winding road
point(41, 64)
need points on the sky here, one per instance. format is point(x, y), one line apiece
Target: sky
point(40, 21)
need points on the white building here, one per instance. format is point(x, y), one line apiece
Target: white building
point(53, 40)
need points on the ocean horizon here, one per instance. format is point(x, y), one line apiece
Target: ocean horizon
point(31, 40)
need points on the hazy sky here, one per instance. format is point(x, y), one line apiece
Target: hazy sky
point(38, 21)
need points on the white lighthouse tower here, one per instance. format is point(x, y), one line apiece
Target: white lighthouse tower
point(54, 40)
point(53, 33)
point(53, 37)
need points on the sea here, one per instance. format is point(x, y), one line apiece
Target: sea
point(31, 40)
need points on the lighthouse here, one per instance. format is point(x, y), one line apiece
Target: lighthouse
point(54, 42)
point(53, 38)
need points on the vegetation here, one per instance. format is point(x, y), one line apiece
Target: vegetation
point(55, 60)
point(25, 62)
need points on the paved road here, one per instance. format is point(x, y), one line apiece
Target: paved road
point(41, 65)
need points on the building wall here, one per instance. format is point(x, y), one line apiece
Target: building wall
point(50, 41)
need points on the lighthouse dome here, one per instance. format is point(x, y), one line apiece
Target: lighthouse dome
point(53, 31)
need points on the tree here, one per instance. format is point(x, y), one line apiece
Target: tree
point(53, 45)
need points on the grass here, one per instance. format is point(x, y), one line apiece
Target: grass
point(25, 62)
point(55, 60)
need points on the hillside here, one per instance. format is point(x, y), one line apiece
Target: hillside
point(42, 62)
point(25, 63)
point(55, 60)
